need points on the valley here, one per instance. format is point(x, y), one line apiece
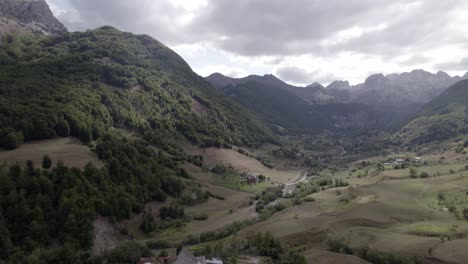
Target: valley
point(113, 149)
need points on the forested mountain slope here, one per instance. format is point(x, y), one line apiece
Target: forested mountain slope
point(104, 78)
point(445, 117)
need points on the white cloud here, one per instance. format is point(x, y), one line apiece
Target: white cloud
point(317, 38)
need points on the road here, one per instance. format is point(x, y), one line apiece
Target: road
point(291, 186)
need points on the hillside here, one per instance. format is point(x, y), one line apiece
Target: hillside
point(286, 106)
point(443, 118)
point(117, 92)
point(27, 17)
point(105, 78)
point(390, 99)
point(277, 106)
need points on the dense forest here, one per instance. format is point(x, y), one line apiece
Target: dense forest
point(41, 205)
point(84, 83)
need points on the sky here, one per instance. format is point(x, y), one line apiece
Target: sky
point(300, 41)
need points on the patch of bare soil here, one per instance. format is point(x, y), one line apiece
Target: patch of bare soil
point(105, 235)
point(198, 108)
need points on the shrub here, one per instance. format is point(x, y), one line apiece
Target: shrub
point(46, 162)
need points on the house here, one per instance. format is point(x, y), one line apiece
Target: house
point(249, 177)
point(214, 261)
point(186, 257)
point(147, 261)
point(417, 159)
point(399, 160)
point(167, 259)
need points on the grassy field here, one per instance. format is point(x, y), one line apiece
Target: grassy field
point(68, 150)
point(213, 156)
point(318, 256)
point(387, 211)
point(396, 214)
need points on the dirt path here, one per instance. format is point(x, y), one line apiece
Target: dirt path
point(291, 186)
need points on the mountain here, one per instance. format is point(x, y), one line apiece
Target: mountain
point(417, 87)
point(287, 107)
point(445, 117)
point(106, 78)
point(220, 81)
point(28, 17)
point(396, 95)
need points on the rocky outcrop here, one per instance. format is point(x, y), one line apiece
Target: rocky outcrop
point(28, 17)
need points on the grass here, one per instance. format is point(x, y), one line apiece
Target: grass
point(391, 215)
point(68, 150)
point(235, 183)
point(432, 230)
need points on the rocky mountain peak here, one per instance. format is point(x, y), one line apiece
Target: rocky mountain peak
point(376, 79)
point(443, 74)
point(315, 85)
point(28, 16)
point(339, 85)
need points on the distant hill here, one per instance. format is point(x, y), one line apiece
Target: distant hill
point(28, 17)
point(284, 107)
point(390, 99)
point(445, 117)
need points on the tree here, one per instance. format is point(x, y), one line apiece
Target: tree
point(85, 134)
point(179, 249)
point(63, 128)
point(147, 225)
point(413, 173)
point(465, 213)
point(163, 253)
point(13, 140)
point(46, 162)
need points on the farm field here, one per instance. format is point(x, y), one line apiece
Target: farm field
point(68, 150)
point(214, 156)
point(396, 215)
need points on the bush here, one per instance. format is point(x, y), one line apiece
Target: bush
point(200, 217)
point(12, 140)
point(46, 162)
point(159, 244)
point(424, 174)
point(127, 252)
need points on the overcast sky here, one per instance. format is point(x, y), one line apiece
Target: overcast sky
point(300, 41)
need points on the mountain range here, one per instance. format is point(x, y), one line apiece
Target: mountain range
point(282, 105)
point(382, 101)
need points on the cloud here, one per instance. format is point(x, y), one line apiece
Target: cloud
point(162, 19)
point(276, 27)
point(350, 38)
point(461, 65)
point(298, 75)
point(414, 60)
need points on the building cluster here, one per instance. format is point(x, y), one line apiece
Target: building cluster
point(250, 178)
